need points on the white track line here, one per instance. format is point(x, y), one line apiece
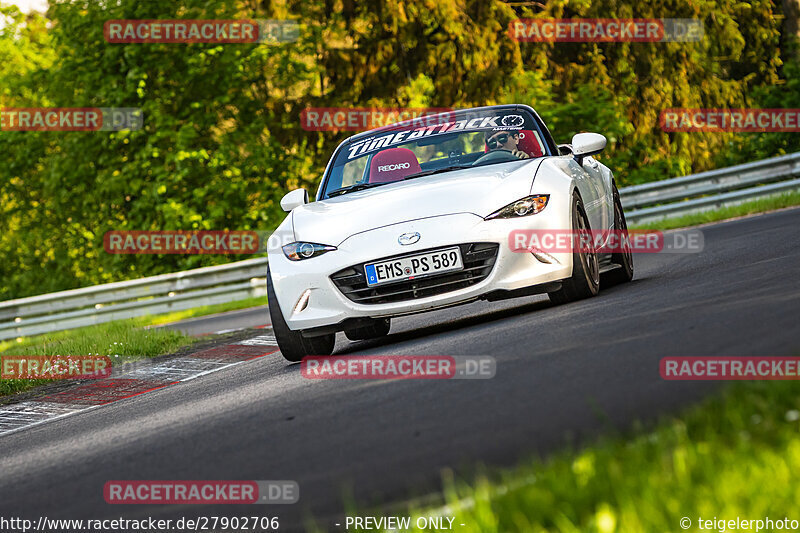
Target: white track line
point(33, 413)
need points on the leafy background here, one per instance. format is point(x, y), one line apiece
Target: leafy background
point(222, 141)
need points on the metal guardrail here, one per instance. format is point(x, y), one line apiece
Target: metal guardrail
point(243, 279)
point(711, 190)
point(127, 299)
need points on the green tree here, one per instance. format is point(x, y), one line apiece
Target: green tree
point(222, 142)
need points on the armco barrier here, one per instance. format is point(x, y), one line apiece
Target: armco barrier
point(711, 190)
point(245, 279)
point(138, 297)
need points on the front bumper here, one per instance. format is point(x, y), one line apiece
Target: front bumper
point(309, 298)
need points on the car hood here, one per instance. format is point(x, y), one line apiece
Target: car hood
point(481, 191)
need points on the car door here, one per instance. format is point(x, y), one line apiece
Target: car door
point(588, 178)
point(599, 182)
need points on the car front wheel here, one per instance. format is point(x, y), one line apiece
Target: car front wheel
point(624, 258)
point(292, 343)
point(585, 279)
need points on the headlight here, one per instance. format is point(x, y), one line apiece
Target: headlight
point(530, 205)
point(297, 251)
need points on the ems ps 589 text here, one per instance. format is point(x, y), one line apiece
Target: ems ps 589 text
point(327, 305)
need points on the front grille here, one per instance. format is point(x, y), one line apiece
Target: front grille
point(478, 259)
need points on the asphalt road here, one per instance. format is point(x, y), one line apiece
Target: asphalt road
point(563, 374)
point(252, 317)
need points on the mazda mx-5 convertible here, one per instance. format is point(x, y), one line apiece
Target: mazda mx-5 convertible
point(418, 216)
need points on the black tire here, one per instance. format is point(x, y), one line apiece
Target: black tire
point(292, 343)
point(624, 258)
point(585, 279)
point(379, 328)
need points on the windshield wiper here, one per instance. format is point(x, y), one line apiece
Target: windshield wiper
point(436, 171)
point(353, 188)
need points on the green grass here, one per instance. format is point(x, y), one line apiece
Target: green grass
point(122, 341)
point(140, 322)
point(207, 310)
point(756, 206)
point(736, 454)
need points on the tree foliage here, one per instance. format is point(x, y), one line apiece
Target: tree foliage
point(222, 141)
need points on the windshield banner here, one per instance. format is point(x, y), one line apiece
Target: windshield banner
point(481, 123)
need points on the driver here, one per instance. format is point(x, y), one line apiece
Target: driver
point(504, 140)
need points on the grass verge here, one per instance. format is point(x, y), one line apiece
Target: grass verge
point(749, 208)
point(206, 310)
point(140, 322)
point(122, 341)
point(734, 455)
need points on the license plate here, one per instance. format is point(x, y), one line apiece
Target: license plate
point(414, 266)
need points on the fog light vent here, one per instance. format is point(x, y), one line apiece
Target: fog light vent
point(302, 303)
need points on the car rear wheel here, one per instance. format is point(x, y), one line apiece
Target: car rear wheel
point(292, 343)
point(379, 328)
point(585, 279)
point(624, 258)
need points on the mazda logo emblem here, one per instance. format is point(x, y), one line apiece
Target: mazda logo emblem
point(408, 238)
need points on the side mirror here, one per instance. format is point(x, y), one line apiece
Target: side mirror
point(294, 199)
point(584, 144)
point(564, 149)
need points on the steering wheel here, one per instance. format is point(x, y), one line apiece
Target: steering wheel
point(495, 156)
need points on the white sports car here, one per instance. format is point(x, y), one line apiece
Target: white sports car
point(417, 216)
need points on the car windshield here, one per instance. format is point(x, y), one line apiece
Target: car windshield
point(432, 145)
